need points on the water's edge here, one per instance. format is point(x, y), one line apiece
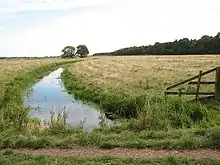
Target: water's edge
point(50, 95)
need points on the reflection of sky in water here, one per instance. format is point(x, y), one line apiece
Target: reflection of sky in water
point(49, 94)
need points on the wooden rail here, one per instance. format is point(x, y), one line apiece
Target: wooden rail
point(190, 79)
point(190, 93)
point(216, 93)
point(207, 83)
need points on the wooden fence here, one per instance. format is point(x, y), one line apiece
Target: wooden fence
point(216, 83)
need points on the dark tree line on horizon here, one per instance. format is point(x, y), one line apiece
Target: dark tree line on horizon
point(205, 45)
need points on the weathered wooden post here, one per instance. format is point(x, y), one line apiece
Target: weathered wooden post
point(180, 92)
point(165, 94)
point(198, 85)
point(217, 84)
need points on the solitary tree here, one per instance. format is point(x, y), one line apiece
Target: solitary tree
point(82, 50)
point(68, 52)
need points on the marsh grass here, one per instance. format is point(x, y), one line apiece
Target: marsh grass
point(58, 123)
point(172, 114)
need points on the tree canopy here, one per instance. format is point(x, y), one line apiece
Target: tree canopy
point(205, 45)
point(82, 50)
point(70, 51)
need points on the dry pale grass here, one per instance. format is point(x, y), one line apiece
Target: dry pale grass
point(151, 73)
point(10, 68)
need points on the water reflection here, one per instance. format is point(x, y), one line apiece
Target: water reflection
point(49, 94)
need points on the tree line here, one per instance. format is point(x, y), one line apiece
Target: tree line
point(72, 52)
point(205, 45)
point(103, 54)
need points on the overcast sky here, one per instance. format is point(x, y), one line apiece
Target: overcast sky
point(44, 27)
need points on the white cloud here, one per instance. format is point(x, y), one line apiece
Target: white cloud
point(127, 23)
point(30, 5)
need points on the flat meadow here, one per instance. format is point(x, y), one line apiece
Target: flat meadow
point(141, 74)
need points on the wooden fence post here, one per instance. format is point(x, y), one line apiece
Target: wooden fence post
point(180, 92)
point(165, 94)
point(217, 84)
point(198, 85)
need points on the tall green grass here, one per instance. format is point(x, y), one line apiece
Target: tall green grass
point(171, 114)
point(112, 137)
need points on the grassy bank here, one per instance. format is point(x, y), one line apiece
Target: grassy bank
point(9, 157)
point(112, 138)
point(13, 112)
point(107, 99)
point(150, 112)
point(11, 68)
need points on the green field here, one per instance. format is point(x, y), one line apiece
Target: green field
point(129, 89)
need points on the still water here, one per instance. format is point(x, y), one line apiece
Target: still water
point(50, 94)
